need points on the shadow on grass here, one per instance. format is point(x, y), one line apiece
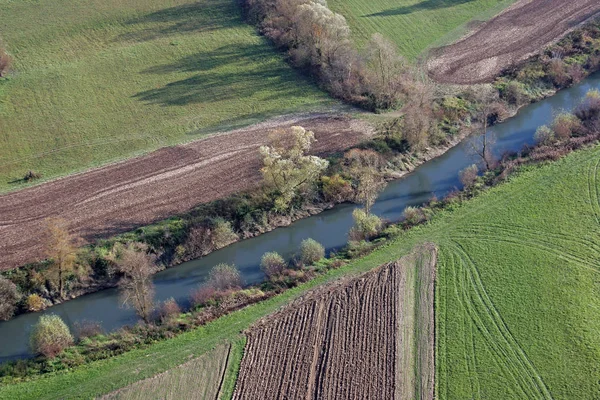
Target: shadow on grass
point(227, 73)
point(421, 6)
point(202, 16)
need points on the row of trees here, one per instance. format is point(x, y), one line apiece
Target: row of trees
point(318, 40)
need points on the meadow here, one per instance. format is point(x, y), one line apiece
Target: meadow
point(415, 25)
point(98, 81)
point(516, 296)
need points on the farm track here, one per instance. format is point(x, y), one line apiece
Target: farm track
point(515, 34)
point(123, 196)
point(491, 326)
point(367, 338)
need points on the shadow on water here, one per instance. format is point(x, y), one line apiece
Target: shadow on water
point(420, 6)
point(436, 177)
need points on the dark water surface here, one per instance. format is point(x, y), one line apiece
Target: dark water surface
point(438, 176)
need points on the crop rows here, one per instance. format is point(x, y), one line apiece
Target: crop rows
point(359, 339)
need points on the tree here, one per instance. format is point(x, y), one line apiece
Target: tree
point(50, 336)
point(468, 176)
point(224, 277)
point(137, 289)
point(288, 169)
point(272, 264)
point(9, 296)
point(311, 251)
point(61, 249)
point(490, 112)
point(364, 167)
point(365, 225)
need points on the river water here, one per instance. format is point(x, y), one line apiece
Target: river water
point(438, 176)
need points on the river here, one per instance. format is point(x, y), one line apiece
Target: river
point(438, 176)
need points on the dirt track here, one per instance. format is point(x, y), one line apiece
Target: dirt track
point(120, 197)
point(520, 31)
point(356, 339)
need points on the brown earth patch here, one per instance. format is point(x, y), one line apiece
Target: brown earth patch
point(370, 337)
point(133, 193)
point(519, 32)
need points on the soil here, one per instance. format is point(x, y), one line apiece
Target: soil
point(355, 339)
point(121, 197)
point(514, 35)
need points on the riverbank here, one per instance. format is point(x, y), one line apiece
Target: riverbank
point(249, 215)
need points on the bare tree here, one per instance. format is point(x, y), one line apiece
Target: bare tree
point(137, 289)
point(61, 249)
point(482, 146)
point(365, 166)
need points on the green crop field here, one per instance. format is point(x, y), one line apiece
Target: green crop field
point(414, 25)
point(517, 296)
point(95, 81)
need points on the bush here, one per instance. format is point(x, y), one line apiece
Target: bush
point(87, 329)
point(50, 336)
point(203, 295)
point(336, 189)
point(9, 296)
point(35, 303)
point(272, 264)
point(589, 108)
point(365, 225)
point(222, 234)
point(224, 276)
point(169, 310)
point(413, 215)
point(468, 176)
point(544, 136)
point(566, 125)
point(311, 251)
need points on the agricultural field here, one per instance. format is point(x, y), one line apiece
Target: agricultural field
point(516, 297)
point(507, 39)
point(367, 338)
point(415, 25)
point(199, 379)
point(98, 81)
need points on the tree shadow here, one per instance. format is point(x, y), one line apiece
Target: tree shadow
point(202, 16)
point(223, 74)
point(421, 6)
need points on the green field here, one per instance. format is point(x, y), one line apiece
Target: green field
point(95, 81)
point(517, 298)
point(414, 25)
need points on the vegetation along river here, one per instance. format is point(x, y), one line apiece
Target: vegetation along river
point(438, 176)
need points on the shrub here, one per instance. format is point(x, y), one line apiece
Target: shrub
point(544, 136)
point(413, 215)
point(566, 125)
point(336, 189)
point(222, 234)
point(272, 264)
point(224, 276)
point(31, 176)
point(169, 310)
point(35, 303)
point(311, 251)
point(365, 225)
point(514, 93)
point(468, 176)
point(203, 295)
point(9, 296)
point(87, 329)
point(5, 62)
point(589, 108)
point(557, 73)
point(50, 336)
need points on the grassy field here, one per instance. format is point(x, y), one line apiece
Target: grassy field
point(197, 379)
point(96, 81)
point(516, 306)
point(414, 25)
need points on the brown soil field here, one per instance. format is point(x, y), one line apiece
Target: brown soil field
point(518, 32)
point(199, 379)
point(370, 337)
point(126, 195)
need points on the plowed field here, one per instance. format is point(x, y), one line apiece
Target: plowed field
point(119, 197)
point(521, 30)
point(367, 338)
